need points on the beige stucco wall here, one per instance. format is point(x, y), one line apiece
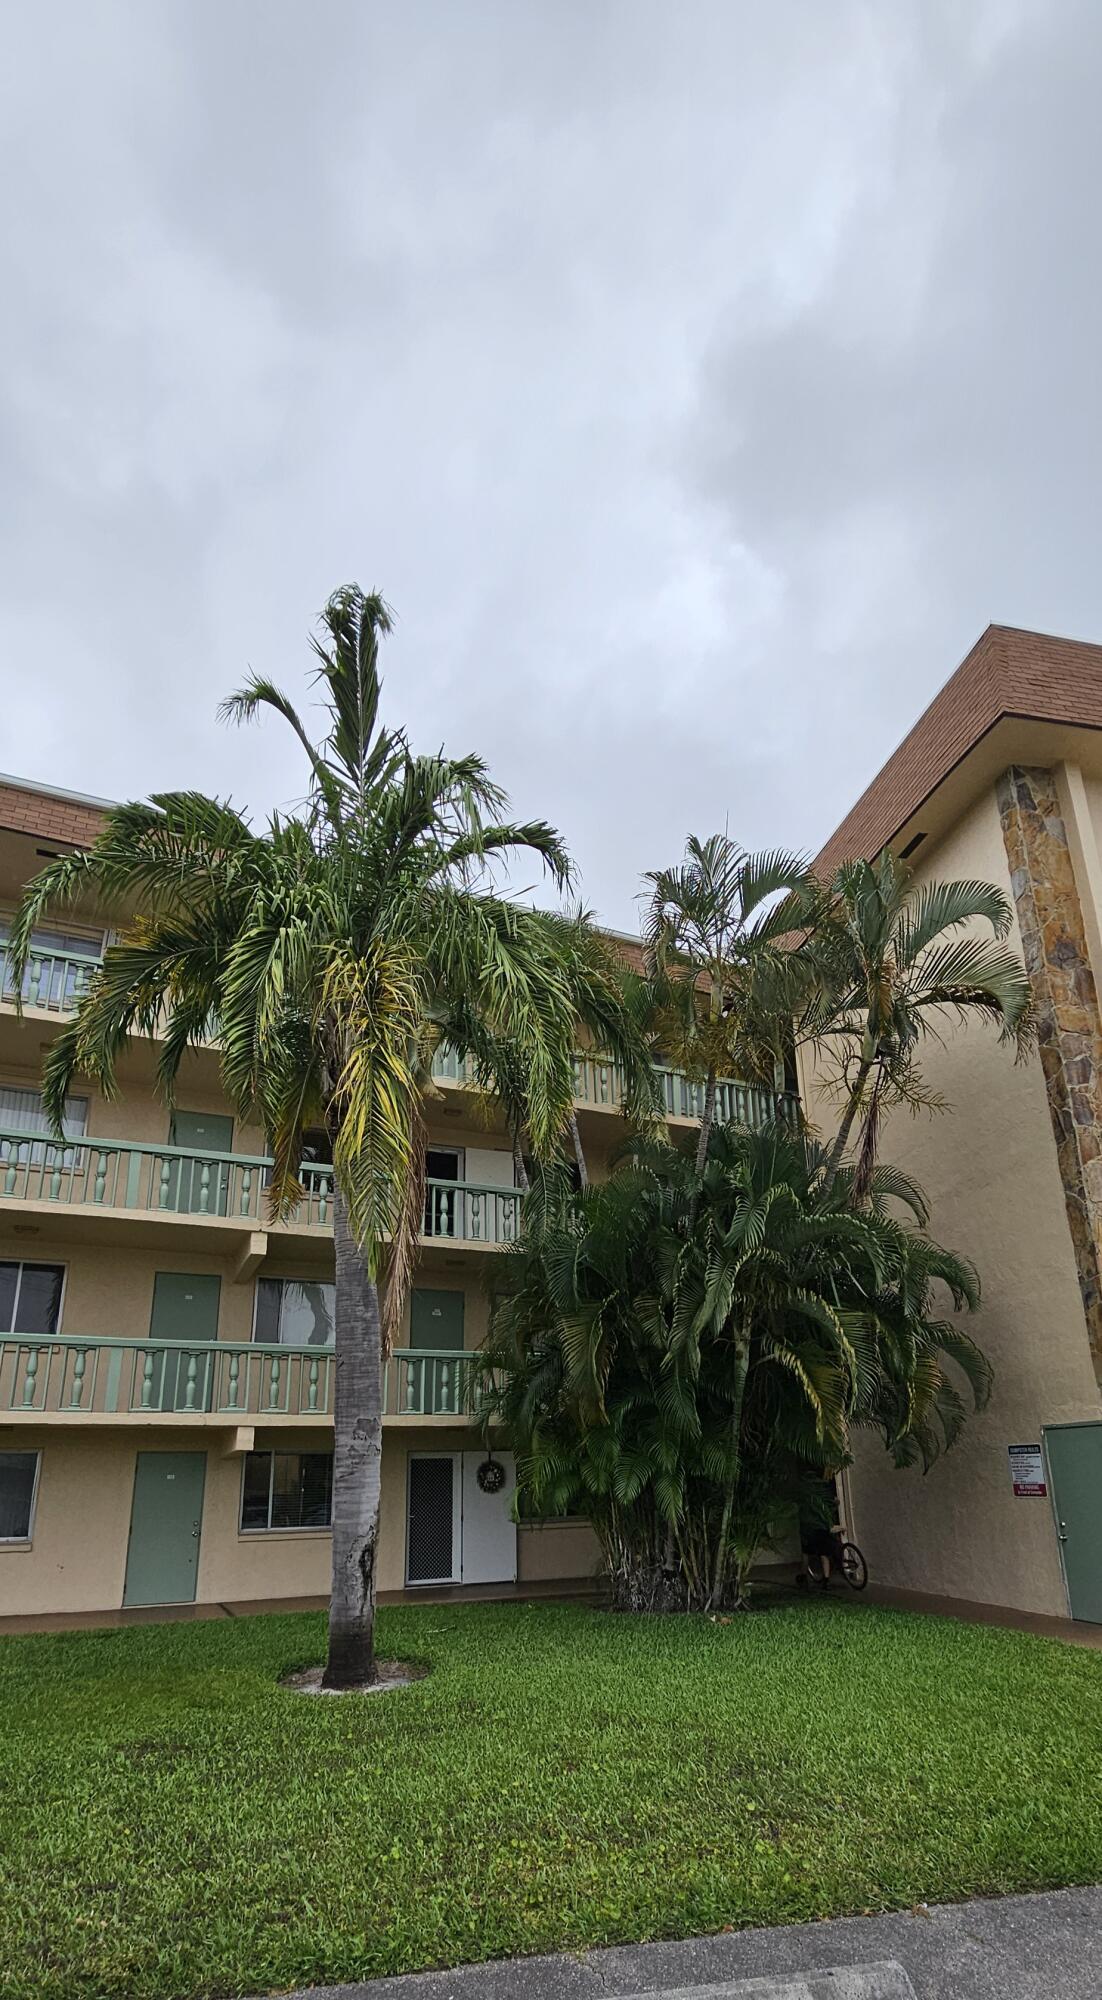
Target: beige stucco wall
point(234, 1567)
point(110, 1291)
point(77, 1558)
point(136, 1114)
point(550, 1550)
point(989, 1168)
point(109, 1287)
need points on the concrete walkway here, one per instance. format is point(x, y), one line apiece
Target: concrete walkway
point(1018, 1948)
point(564, 1590)
point(1073, 1631)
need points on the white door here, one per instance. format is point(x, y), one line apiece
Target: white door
point(434, 1517)
point(489, 1531)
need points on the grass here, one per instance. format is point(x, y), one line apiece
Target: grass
point(172, 1823)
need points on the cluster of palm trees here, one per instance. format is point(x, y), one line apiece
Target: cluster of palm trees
point(683, 1352)
point(342, 944)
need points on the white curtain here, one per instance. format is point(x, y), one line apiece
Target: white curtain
point(21, 1111)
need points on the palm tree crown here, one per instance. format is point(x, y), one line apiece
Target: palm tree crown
point(718, 948)
point(899, 963)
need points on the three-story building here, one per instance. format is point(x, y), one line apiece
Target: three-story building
point(166, 1369)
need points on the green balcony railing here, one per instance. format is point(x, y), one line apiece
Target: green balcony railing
point(115, 1174)
point(598, 1082)
point(751, 1105)
point(69, 1375)
point(471, 1213)
point(54, 980)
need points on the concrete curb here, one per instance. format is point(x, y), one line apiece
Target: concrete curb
point(1043, 1947)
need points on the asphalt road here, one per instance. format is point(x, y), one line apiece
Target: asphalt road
point(1018, 1948)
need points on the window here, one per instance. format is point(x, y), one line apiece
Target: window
point(317, 1148)
point(21, 1111)
point(30, 1297)
point(55, 984)
point(286, 1489)
point(81, 943)
point(294, 1312)
point(18, 1483)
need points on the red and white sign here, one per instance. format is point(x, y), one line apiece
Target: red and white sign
point(1027, 1470)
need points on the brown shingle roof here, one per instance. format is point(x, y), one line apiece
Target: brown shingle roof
point(1008, 672)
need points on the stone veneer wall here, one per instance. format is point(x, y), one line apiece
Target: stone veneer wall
point(1069, 1031)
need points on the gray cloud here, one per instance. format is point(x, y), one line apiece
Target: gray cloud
point(697, 382)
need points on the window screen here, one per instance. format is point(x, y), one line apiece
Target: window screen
point(287, 1489)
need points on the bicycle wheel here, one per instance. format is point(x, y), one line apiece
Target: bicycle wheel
point(853, 1566)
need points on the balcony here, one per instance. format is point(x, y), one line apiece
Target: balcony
point(77, 1182)
point(73, 1380)
point(55, 981)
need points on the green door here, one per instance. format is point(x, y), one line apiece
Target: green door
point(200, 1187)
point(185, 1309)
point(436, 1321)
point(1075, 1467)
point(162, 1561)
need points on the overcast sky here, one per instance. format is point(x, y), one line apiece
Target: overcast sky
point(696, 380)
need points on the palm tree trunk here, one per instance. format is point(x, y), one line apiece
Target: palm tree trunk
point(357, 1462)
point(707, 1121)
point(579, 1152)
point(520, 1171)
point(719, 1574)
point(838, 1150)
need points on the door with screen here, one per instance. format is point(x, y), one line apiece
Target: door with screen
point(433, 1518)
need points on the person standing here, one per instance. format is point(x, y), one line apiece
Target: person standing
point(820, 1529)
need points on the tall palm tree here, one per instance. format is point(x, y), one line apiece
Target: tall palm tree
point(718, 942)
point(330, 947)
point(896, 970)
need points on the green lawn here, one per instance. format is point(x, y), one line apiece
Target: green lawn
point(173, 1823)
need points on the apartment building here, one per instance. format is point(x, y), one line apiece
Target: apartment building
point(165, 1349)
point(1001, 780)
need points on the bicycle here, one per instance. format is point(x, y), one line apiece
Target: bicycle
point(852, 1565)
point(846, 1560)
